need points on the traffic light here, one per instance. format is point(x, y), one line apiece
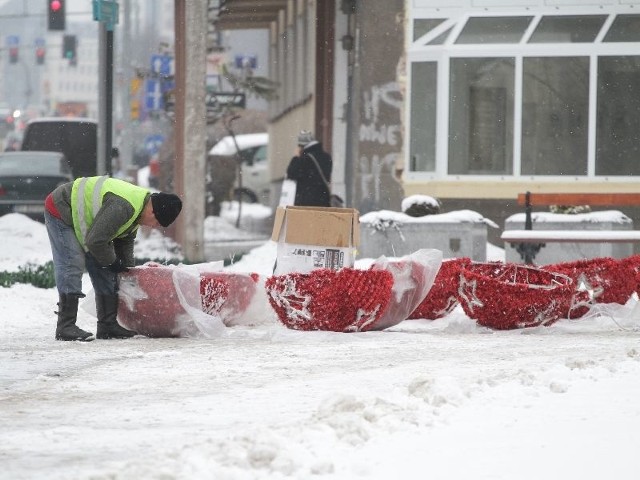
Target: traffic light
point(69, 44)
point(56, 14)
point(13, 54)
point(135, 109)
point(40, 51)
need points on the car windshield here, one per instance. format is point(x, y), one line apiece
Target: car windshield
point(260, 154)
point(30, 165)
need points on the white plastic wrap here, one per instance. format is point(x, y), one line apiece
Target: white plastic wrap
point(413, 277)
point(187, 300)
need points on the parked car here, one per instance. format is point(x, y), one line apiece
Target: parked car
point(77, 138)
point(26, 178)
point(252, 148)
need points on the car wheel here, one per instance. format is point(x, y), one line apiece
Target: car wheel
point(244, 194)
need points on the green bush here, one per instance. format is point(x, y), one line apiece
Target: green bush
point(569, 209)
point(40, 276)
point(423, 209)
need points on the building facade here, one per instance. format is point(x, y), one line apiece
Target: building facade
point(470, 102)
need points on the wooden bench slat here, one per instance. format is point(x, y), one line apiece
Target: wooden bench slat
point(571, 236)
point(599, 199)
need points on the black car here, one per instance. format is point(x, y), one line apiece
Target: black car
point(77, 138)
point(26, 178)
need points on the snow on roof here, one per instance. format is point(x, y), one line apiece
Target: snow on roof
point(459, 216)
point(63, 119)
point(226, 146)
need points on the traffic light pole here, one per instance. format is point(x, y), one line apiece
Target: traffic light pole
point(108, 122)
point(106, 12)
point(105, 104)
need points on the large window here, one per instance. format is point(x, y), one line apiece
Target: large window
point(625, 28)
point(422, 146)
point(539, 95)
point(422, 27)
point(555, 109)
point(572, 29)
point(481, 116)
point(618, 134)
point(493, 30)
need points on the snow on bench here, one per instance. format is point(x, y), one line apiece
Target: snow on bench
point(571, 236)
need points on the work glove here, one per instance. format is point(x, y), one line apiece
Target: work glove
point(118, 266)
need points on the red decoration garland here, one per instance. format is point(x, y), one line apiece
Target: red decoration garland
point(606, 280)
point(506, 296)
point(633, 263)
point(443, 296)
point(344, 300)
point(497, 295)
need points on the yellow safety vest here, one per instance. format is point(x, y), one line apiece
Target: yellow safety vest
point(87, 195)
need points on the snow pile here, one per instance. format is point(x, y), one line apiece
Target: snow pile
point(445, 399)
point(151, 244)
point(25, 242)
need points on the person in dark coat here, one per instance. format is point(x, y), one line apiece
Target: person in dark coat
point(311, 189)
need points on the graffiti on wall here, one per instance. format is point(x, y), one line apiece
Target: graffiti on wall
point(373, 129)
point(371, 179)
point(380, 137)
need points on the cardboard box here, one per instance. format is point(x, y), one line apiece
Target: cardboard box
point(315, 237)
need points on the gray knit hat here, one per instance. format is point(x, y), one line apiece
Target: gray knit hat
point(305, 137)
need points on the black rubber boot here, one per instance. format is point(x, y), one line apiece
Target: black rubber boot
point(67, 314)
point(108, 326)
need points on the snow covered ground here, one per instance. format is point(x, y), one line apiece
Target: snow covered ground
point(441, 399)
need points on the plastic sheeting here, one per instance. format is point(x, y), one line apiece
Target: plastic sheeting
point(187, 300)
point(413, 278)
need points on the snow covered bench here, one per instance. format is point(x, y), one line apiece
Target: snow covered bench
point(571, 236)
point(528, 242)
